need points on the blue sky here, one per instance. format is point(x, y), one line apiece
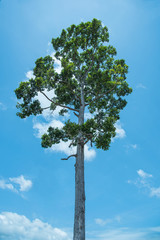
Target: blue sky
point(122, 184)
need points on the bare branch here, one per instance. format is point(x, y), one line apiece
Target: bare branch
point(73, 142)
point(77, 115)
point(45, 108)
point(60, 105)
point(73, 155)
point(46, 96)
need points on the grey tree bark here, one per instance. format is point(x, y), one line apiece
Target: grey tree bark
point(79, 214)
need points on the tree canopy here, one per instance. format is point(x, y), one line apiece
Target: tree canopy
point(87, 62)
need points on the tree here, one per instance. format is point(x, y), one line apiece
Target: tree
point(90, 80)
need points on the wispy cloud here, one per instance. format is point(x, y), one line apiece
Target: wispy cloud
point(134, 146)
point(5, 185)
point(140, 85)
point(143, 182)
point(104, 222)
point(129, 147)
point(14, 226)
point(155, 192)
point(143, 174)
point(17, 184)
point(2, 106)
point(125, 234)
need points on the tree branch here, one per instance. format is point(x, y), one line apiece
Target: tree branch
point(45, 108)
point(90, 136)
point(86, 141)
point(98, 97)
point(60, 105)
point(73, 155)
point(77, 115)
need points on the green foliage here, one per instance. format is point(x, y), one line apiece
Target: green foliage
point(53, 137)
point(87, 62)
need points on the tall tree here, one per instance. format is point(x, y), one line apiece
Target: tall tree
point(90, 80)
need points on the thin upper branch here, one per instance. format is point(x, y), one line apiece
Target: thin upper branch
point(98, 97)
point(45, 108)
point(60, 105)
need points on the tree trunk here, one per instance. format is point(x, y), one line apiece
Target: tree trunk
point(79, 217)
point(79, 214)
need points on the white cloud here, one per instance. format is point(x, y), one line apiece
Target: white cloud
point(30, 74)
point(143, 174)
point(143, 182)
point(57, 63)
point(89, 153)
point(57, 66)
point(42, 128)
point(24, 184)
point(64, 147)
point(48, 114)
point(14, 226)
point(11, 184)
point(120, 132)
point(5, 185)
point(155, 192)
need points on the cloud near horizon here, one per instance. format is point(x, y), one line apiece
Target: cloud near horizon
point(126, 234)
point(17, 227)
point(14, 226)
